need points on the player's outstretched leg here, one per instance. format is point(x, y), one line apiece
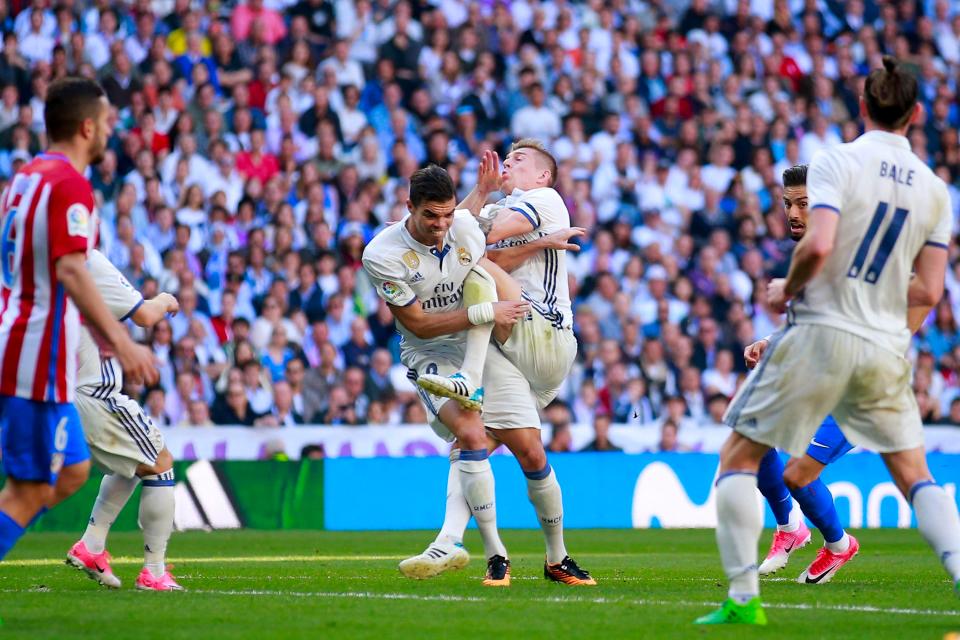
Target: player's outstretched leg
point(446, 552)
point(464, 386)
point(89, 554)
point(156, 519)
point(739, 524)
point(791, 533)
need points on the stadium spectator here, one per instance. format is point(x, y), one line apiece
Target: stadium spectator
point(601, 432)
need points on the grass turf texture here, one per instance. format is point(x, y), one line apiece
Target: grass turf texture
point(653, 583)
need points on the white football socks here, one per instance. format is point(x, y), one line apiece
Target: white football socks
point(547, 498)
point(114, 493)
point(156, 519)
point(939, 524)
point(840, 546)
point(476, 478)
point(794, 522)
point(739, 523)
point(456, 517)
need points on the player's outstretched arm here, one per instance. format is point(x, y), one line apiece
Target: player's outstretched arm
point(510, 258)
point(155, 309)
point(137, 360)
point(488, 181)
point(431, 325)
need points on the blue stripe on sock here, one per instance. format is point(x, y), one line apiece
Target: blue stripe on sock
point(473, 454)
point(10, 532)
point(158, 483)
point(918, 486)
point(733, 473)
point(539, 475)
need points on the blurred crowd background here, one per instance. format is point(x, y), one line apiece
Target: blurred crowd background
point(258, 145)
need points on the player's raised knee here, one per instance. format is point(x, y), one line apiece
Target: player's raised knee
point(479, 287)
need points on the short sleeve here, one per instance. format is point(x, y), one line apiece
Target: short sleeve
point(825, 181)
point(389, 283)
point(71, 218)
point(940, 235)
point(120, 296)
point(547, 207)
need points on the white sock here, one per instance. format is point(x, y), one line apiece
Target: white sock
point(939, 524)
point(475, 356)
point(156, 520)
point(476, 478)
point(794, 520)
point(840, 546)
point(114, 493)
point(457, 515)
point(547, 499)
point(739, 524)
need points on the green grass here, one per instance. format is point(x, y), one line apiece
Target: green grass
point(324, 585)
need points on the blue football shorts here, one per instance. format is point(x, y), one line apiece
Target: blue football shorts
point(38, 439)
point(828, 443)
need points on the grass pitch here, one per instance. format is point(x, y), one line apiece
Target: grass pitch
point(323, 585)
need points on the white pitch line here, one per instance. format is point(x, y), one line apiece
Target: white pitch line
point(558, 600)
point(50, 562)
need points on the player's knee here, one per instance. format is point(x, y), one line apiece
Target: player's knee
point(531, 458)
point(479, 287)
point(163, 464)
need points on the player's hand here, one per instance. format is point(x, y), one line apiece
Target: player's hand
point(561, 239)
point(508, 314)
point(754, 352)
point(138, 362)
point(170, 302)
point(777, 296)
point(488, 176)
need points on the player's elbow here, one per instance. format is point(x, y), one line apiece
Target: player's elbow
point(68, 268)
point(927, 295)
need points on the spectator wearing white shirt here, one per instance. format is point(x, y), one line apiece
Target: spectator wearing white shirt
point(347, 71)
point(604, 142)
point(821, 136)
point(536, 120)
point(718, 175)
point(36, 45)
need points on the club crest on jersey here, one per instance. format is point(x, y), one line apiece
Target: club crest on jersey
point(411, 259)
point(464, 257)
point(78, 220)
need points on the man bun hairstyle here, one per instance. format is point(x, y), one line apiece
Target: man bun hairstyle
point(890, 94)
point(431, 184)
point(795, 176)
point(546, 156)
point(70, 101)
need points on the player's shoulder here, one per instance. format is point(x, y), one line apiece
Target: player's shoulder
point(547, 195)
point(384, 248)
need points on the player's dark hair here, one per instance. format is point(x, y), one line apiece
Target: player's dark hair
point(70, 101)
point(795, 176)
point(890, 94)
point(431, 184)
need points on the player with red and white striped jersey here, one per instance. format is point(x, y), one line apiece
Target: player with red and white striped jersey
point(47, 227)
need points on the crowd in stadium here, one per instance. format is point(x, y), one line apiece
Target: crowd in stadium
point(259, 145)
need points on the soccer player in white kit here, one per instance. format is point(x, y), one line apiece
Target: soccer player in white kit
point(123, 441)
point(531, 230)
point(420, 267)
point(877, 212)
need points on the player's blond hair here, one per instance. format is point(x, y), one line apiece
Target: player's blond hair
point(536, 145)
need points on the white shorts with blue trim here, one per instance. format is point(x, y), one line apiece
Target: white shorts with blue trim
point(508, 401)
point(121, 436)
point(810, 371)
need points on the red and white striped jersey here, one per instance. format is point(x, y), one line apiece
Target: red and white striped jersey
point(46, 213)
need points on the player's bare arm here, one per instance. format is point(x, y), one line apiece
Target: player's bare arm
point(488, 181)
point(137, 360)
point(155, 309)
point(809, 257)
point(509, 258)
point(431, 325)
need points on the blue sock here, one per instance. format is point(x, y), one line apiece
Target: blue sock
point(10, 532)
point(816, 502)
point(771, 485)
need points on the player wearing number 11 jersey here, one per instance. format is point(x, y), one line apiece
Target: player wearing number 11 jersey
point(878, 215)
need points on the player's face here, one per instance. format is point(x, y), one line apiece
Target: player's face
point(795, 206)
point(101, 133)
point(430, 221)
point(520, 171)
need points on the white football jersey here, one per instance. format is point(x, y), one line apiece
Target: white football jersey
point(403, 271)
point(543, 277)
point(93, 376)
point(890, 205)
